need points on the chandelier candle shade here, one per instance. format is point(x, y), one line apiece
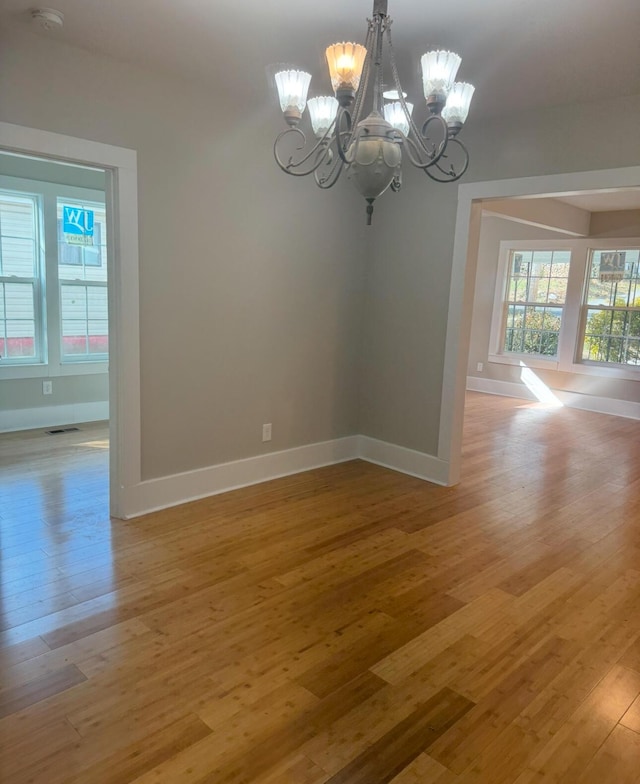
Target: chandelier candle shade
point(372, 145)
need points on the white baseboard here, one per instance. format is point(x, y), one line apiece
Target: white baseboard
point(166, 491)
point(52, 416)
point(504, 388)
point(600, 405)
point(407, 461)
point(154, 494)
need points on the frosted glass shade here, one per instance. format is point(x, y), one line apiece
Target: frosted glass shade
point(293, 87)
point(323, 112)
point(439, 71)
point(458, 102)
point(392, 95)
point(394, 115)
point(346, 62)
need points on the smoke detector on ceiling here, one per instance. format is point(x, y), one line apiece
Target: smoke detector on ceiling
point(48, 18)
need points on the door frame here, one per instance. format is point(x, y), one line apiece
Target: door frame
point(463, 276)
point(120, 165)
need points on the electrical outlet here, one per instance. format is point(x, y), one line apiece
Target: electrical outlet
point(266, 432)
point(47, 387)
point(480, 367)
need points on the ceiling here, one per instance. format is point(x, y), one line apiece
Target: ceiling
point(519, 53)
point(605, 201)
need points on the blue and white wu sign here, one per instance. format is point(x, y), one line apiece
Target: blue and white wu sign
point(77, 225)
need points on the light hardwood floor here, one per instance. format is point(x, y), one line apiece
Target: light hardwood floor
point(349, 625)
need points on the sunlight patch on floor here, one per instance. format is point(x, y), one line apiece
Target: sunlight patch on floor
point(536, 385)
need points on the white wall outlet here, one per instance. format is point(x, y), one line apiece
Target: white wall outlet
point(47, 387)
point(480, 367)
point(266, 432)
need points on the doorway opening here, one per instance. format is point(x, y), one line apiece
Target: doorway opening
point(119, 266)
point(54, 330)
point(570, 190)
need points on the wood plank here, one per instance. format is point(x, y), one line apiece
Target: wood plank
point(293, 632)
point(395, 750)
point(15, 698)
point(618, 759)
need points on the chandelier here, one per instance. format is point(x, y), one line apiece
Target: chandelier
point(371, 148)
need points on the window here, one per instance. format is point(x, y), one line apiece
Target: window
point(53, 280)
point(571, 306)
point(612, 308)
point(20, 288)
point(82, 276)
point(536, 292)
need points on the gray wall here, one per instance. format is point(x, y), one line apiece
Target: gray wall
point(263, 299)
point(23, 393)
point(492, 232)
point(617, 223)
point(408, 273)
point(250, 281)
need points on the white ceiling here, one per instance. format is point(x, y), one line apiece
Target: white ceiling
point(605, 201)
point(518, 53)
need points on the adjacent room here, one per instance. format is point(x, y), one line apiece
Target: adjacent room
point(354, 494)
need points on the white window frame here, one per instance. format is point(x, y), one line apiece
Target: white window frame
point(39, 304)
point(83, 359)
point(51, 363)
point(569, 357)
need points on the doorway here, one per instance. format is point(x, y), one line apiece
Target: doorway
point(463, 279)
point(54, 331)
point(120, 189)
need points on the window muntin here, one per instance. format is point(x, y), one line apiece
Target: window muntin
point(611, 308)
point(20, 291)
point(82, 276)
point(536, 290)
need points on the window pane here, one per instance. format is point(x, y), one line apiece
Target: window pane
point(18, 257)
point(17, 321)
point(612, 330)
point(98, 337)
point(74, 337)
point(536, 292)
point(85, 326)
point(17, 235)
point(612, 336)
point(20, 339)
point(82, 237)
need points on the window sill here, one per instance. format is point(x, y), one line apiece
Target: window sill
point(621, 372)
point(608, 371)
point(529, 360)
point(16, 372)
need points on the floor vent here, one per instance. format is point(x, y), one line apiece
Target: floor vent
point(61, 430)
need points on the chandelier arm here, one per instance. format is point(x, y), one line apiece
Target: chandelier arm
point(321, 150)
point(450, 174)
point(415, 154)
point(436, 152)
point(339, 134)
point(330, 179)
point(420, 136)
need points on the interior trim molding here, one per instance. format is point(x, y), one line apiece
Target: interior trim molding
point(53, 416)
point(154, 494)
point(407, 461)
point(463, 275)
point(121, 169)
point(599, 405)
